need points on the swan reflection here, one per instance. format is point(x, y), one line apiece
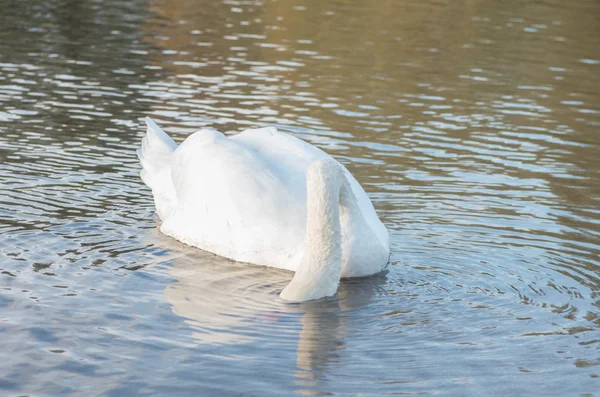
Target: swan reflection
point(228, 303)
point(327, 324)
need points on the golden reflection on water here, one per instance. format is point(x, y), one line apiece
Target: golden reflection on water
point(481, 98)
point(435, 84)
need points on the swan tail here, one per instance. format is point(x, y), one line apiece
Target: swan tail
point(155, 156)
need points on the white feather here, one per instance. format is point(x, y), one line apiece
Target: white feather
point(245, 198)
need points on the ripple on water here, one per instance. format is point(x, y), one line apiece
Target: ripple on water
point(475, 140)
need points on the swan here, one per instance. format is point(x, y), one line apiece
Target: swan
point(267, 198)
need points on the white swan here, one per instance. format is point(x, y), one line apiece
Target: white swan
point(267, 198)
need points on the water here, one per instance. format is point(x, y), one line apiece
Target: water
point(473, 126)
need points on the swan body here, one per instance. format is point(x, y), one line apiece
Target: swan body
point(267, 198)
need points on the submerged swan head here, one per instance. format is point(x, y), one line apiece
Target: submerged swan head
point(328, 194)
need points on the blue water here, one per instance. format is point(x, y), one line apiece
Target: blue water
point(472, 126)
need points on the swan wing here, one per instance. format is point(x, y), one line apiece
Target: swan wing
point(293, 156)
point(233, 202)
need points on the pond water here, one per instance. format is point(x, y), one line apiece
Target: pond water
point(474, 126)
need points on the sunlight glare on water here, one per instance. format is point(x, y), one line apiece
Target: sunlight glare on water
point(473, 126)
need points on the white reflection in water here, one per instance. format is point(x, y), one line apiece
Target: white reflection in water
point(227, 303)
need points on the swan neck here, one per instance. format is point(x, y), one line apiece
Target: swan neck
point(319, 273)
point(323, 230)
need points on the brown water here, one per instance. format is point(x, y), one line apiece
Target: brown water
point(474, 127)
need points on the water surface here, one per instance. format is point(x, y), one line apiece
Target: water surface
point(473, 126)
